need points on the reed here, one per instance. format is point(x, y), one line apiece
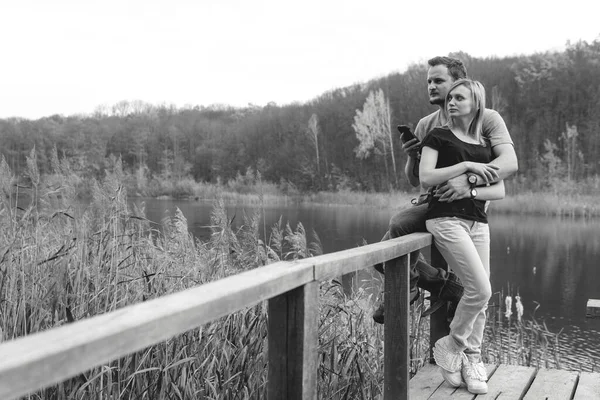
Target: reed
point(511, 339)
point(60, 264)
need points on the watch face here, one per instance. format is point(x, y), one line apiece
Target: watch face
point(472, 179)
point(473, 192)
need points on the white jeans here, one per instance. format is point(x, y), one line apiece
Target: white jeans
point(465, 246)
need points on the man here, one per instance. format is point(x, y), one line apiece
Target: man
point(442, 73)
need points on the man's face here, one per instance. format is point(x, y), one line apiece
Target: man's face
point(438, 83)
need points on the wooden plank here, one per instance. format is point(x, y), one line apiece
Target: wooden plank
point(293, 344)
point(446, 391)
point(439, 325)
point(45, 358)
point(509, 382)
point(588, 386)
point(550, 384)
point(396, 330)
point(593, 308)
point(340, 263)
point(425, 382)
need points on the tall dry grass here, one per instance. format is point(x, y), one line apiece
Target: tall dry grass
point(60, 264)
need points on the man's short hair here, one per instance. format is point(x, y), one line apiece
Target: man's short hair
point(456, 68)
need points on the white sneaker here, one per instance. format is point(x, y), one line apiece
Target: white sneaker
point(475, 376)
point(449, 359)
point(454, 379)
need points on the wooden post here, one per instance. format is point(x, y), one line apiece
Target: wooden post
point(593, 308)
point(439, 326)
point(396, 330)
point(293, 344)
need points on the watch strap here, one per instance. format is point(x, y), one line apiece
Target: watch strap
point(472, 180)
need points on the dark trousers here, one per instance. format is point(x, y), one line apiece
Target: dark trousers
point(439, 282)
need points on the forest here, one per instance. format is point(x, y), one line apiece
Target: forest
point(344, 139)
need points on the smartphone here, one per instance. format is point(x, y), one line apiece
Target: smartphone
point(405, 133)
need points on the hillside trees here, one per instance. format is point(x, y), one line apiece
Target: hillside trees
point(555, 90)
point(542, 97)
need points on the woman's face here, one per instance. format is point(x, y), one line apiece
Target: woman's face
point(460, 102)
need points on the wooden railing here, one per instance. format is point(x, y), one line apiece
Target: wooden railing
point(34, 362)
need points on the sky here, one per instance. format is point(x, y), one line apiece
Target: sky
point(71, 56)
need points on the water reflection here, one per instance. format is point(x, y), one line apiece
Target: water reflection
point(549, 260)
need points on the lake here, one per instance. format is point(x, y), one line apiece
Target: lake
point(552, 263)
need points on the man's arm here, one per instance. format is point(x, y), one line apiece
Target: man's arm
point(506, 160)
point(411, 169)
point(412, 149)
point(491, 192)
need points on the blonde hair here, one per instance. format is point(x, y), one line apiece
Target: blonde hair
point(478, 100)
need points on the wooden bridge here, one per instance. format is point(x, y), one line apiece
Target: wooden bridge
point(43, 359)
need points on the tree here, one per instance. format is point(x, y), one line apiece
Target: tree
point(313, 134)
point(553, 168)
point(498, 101)
point(573, 156)
point(373, 130)
point(121, 109)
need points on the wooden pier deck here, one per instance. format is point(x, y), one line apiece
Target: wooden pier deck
point(510, 382)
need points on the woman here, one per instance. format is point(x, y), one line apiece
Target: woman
point(460, 228)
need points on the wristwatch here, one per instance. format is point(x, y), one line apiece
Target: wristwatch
point(472, 179)
point(473, 193)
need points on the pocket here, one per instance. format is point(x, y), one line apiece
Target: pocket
point(444, 226)
point(436, 224)
point(442, 220)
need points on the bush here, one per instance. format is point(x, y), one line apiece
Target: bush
point(186, 187)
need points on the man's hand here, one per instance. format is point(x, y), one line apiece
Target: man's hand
point(489, 172)
point(455, 189)
point(412, 148)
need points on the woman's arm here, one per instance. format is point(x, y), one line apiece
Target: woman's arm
point(430, 175)
point(495, 191)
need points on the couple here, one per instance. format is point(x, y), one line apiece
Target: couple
point(464, 153)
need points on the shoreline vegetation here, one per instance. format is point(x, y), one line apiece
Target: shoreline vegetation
point(555, 204)
point(561, 199)
point(531, 203)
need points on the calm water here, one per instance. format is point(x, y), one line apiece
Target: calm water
point(552, 262)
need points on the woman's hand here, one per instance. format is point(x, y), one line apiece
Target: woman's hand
point(489, 172)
